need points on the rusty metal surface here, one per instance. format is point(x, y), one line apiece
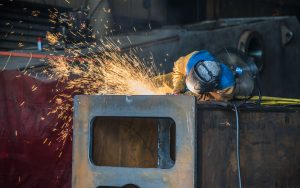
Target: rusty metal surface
point(182, 109)
point(269, 148)
point(123, 142)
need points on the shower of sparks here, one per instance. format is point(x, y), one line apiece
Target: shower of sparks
point(107, 72)
point(102, 70)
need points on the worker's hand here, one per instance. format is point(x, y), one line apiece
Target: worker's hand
point(190, 93)
point(176, 92)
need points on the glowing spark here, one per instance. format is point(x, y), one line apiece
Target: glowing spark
point(45, 140)
point(129, 39)
point(52, 37)
point(20, 44)
point(35, 13)
point(34, 88)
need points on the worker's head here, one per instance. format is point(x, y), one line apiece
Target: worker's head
point(204, 77)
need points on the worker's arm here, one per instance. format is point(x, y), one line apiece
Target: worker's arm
point(179, 73)
point(179, 76)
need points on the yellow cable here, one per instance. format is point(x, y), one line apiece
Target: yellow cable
point(275, 98)
point(266, 100)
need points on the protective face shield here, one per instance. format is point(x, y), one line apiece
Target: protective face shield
point(204, 77)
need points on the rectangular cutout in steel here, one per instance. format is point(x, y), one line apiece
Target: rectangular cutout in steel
point(141, 142)
point(178, 174)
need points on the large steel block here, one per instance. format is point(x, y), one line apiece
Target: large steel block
point(98, 117)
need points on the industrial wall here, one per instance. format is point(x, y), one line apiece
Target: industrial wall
point(252, 8)
point(141, 9)
point(179, 11)
point(74, 4)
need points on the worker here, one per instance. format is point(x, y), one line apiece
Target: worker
point(202, 75)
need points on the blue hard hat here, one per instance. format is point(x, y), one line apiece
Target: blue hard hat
point(206, 74)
